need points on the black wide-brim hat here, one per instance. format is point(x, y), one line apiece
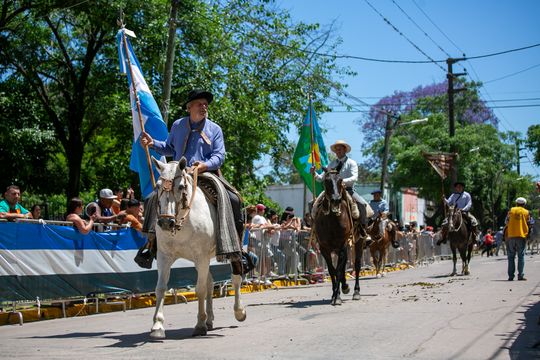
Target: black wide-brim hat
point(199, 94)
point(459, 183)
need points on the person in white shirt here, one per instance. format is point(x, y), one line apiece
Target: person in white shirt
point(347, 169)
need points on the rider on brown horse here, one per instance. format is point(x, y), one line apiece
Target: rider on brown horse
point(461, 200)
point(347, 169)
point(380, 210)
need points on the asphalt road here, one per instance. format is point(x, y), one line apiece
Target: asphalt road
point(418, 313)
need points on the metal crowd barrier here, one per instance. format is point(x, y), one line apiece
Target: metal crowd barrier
point(289, 254)
point(98, 227)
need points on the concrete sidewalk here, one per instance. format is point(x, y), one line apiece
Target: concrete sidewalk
point(418, 313)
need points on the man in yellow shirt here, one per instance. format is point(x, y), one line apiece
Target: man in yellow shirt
point(517, 222)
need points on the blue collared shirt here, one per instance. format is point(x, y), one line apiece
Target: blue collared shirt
point(379, 207)
point(196, 148)
point(462, 200)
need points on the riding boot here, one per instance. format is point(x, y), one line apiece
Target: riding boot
point(444, 233)
point(152, 244)
point(355, 213)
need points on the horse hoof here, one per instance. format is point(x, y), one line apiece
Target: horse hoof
point(453, 274)
point(346, 289)
point(199, 332)
point(466, 273)
point(337, 302)
point(240, 315)
point(157, 334)
point(356, 296)
point(209, 326)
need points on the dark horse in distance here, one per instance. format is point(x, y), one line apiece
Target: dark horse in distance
point(461, 239)
point(333, 227)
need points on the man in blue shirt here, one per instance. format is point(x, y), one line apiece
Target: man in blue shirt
point(461, 200)
point(200, 141)
point(380, 208)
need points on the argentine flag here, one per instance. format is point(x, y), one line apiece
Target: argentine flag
point(151, 116)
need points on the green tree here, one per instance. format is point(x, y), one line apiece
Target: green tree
point(249, 54)
point(533, 142)
point(486, 156)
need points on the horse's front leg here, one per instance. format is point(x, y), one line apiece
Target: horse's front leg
point(332, 272)
point(344, 286)
point(164, 264)
point(340, 274)
point(358, 249)
point(463, 255)
point(454, 259)
point(203, 269)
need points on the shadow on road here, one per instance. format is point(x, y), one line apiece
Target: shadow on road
point(133, 340)
point(527, 343)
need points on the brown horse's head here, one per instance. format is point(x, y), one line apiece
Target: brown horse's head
point(392, 231)
point(333, 191)
point(454, 218)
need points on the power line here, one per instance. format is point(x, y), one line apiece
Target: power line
point(438, 28)
point(509, 75)
point(422, 30)
point(402, 34)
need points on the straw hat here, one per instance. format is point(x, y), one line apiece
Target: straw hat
point(343, 143)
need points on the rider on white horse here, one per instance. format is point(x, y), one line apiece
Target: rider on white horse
point(461, 200)
point(200, 141)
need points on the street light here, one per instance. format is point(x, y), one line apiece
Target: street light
point(390, 126)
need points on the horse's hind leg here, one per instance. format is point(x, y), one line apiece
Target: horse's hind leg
point(358, 248)
point(344, 286)
point(239, 310)
point(164, 271)
point(203, 269)
point(209, 302)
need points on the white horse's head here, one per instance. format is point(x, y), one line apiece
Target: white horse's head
point(173, 188)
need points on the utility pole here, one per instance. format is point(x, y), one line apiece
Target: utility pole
point(387, 134)
point(518, 156)
point(451, 125)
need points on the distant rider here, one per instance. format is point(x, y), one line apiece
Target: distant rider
point(461, 200)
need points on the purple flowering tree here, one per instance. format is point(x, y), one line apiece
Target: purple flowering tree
point(425, 101)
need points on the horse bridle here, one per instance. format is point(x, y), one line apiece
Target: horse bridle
point(452, 219)
point(168, 186)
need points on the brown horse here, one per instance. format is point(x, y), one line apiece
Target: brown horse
point(379, 247)
point(333, 227)
point(460, 239)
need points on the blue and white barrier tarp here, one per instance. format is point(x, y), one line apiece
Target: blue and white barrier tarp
point(56, 262)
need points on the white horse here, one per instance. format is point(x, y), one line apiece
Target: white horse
point(187, 228)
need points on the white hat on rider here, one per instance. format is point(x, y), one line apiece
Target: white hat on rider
point(342, 143)
point(521, 201)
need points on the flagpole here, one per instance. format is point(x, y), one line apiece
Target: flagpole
point(134, 89)
point(313, 191)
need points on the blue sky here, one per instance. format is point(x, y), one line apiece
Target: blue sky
point(473, 27)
